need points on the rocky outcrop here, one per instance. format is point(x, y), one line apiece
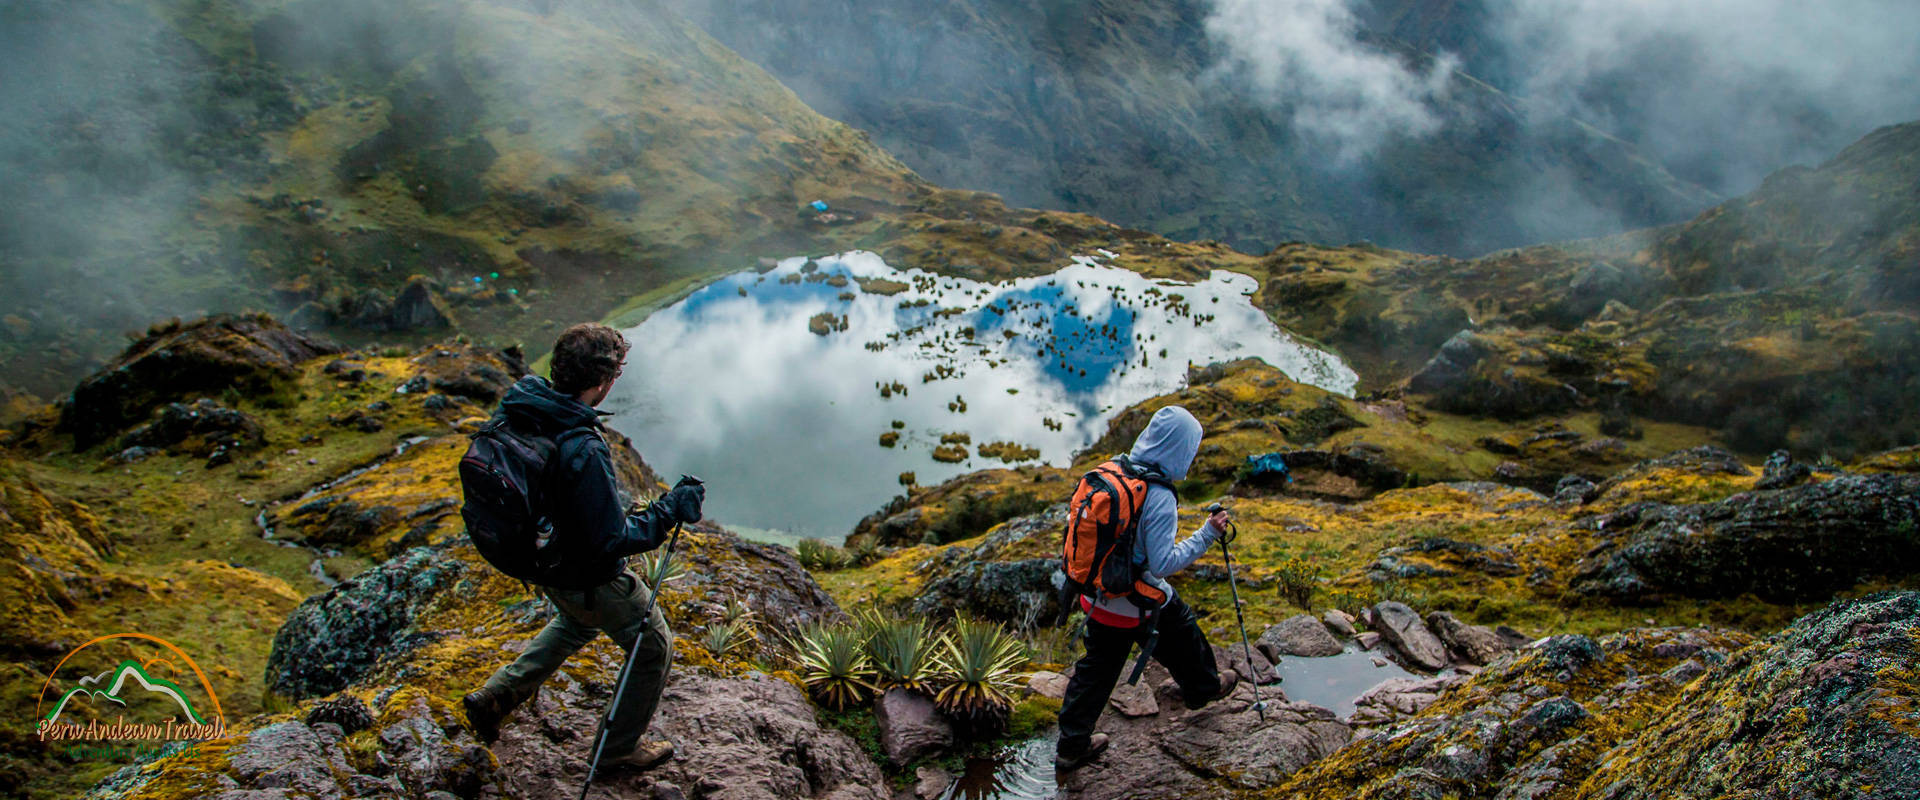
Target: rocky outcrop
point(203, 429)
point(983, 582)
point(1786, 545)
point(1515, 730)
point(251, 354)
point(1821, 709)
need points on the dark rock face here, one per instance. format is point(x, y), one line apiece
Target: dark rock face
point(1782, 472)
point(1469, 375)
point(335, 638)
point(1786, 545)
point(1018, 591)
point(202, 428)
point(249, 353)
point(1401, 627)
point(417, 306)
point(910, 727)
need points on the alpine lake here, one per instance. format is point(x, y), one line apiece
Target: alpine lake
point(778, 386)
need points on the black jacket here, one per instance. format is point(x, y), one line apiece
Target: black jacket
point(589, 513)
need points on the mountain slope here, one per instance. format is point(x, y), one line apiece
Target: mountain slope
point(1117, 108)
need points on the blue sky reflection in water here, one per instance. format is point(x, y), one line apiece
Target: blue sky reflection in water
point(784, 424)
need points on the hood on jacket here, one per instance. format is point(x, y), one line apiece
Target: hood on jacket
point(534, 404)
point(1169, 442)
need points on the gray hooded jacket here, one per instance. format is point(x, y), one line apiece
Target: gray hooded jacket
point(1170, 442)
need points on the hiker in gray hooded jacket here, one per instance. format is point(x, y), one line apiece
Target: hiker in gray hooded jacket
point(1114, 625)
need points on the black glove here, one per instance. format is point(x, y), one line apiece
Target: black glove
point(682, 503)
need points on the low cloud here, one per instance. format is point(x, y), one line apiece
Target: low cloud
point(1305, 59)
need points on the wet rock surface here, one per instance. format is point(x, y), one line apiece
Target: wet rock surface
point(1790, 544)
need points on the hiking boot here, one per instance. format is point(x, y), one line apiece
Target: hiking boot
point(645, 756)
point(1064, 762)
point(1228, 680)
point(485, 710)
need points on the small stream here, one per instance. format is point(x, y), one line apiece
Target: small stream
point(1021, 772)
point(317, 567)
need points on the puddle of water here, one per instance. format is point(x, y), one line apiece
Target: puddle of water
point(1334, 682)
point(784, 423)
point(1021, 772)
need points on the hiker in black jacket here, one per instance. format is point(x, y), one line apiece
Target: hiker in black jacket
point(597, 531)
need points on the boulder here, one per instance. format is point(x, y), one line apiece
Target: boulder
point(1048, 684)
point(910, 727)
point(1472, 644)
point(1229, 653)
point(250, 353)
point(1133, 699)
point(1401, 627)
point(1299, 635)
point(334, 638)
point(1339, 622)
point(1002, 591)
point(1787, 545)
point(1781, 472)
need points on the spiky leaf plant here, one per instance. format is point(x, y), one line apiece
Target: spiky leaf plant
point(978, 662)
point(724, 638)
point(660, 566)
point(904, 653)
point(738, 610)
point(833, 664)
point(818, 554)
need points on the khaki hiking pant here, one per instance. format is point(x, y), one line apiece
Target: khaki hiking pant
point(613, 607)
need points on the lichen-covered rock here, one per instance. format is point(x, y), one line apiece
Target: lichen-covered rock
point(289, 756)
point(1299, 635)
point(1792, 544)
point(334, 638)
point(1532, 726)
point(202, 428)
point(250, 353)
point(1402, 628)
point(1823, 709)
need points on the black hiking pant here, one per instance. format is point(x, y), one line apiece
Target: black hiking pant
point(1182, 649)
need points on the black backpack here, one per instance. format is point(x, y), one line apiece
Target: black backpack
point(504, 477)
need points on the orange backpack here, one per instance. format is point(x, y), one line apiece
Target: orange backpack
point(1103, 520)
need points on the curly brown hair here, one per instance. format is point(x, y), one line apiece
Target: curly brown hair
point(587, 355)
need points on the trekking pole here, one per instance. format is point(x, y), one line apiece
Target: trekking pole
point(1232, 531)
point(626, 667)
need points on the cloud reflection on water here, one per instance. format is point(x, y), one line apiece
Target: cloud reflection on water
point(730, 384)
